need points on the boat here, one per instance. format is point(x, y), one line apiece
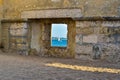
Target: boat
point(59, 39)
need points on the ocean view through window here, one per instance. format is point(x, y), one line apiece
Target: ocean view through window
point(59, 35)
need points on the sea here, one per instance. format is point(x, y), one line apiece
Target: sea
point(59, 43)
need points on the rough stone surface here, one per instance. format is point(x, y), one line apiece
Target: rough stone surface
point(13, 9)
point(79, 36)
point(69, 51)
point(104, 38)
point(111, 52)
point(5, 38)
point(36, 36)
point(39, 42)
point(101, 7)
point(84, 30)
point(90, 39)
point(52, 13)
point(84, 49)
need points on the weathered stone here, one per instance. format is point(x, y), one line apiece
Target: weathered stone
point(58, 13)
point(83, 37)
point(36, 36)
point(83, 57)
point(90, 8)
point(96, 30)
point(107, 39)
point(97, 51)
point(83, 49)
point(83, 24)
point(111, 24)
point(111, 52)
point(90, 39)
point(85, 30)
point(33, 52)
point(110, 30)
point(42, 41)
point(18, 29)
point(87, 24)
point(103, 30)
point(118, 10)
point(101, 7)
point(79, 39)
point(79, 24)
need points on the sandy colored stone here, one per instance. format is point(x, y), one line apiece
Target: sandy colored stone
point(90, 39)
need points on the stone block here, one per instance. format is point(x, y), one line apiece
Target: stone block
point(90, 39)
point(85, 30)
point(79, 24)
point(52, 13)
point(86, 24)
point(118, 39)
point(103, 30)
point(96, 30)
point(111, 24)
point(106, 39)
point(83, 57)
point(78, 39)
point(111, 52)
point(83, 24)
point(83, 49)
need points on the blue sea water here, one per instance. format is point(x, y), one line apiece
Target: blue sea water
point(61, 43)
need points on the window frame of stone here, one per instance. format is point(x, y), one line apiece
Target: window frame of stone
point(51, 37)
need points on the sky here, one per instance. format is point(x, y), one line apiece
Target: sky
point(59, 30)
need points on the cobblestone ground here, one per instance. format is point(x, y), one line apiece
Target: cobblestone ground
point(16, 67)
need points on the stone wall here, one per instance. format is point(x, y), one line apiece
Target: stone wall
point(98, 40)
point(1, 16)
point(15, 37)
point(13, 8)
point(40, 43)
point(106, 8)
point(88, 39)
point(5, 36)
point(1, 9)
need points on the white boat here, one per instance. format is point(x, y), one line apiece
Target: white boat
point(59, 39)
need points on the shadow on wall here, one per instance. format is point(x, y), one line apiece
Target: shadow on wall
point(1, 46)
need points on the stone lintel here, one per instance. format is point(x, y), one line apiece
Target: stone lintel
point(52, 13)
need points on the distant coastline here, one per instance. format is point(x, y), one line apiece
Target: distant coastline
point(61, 38)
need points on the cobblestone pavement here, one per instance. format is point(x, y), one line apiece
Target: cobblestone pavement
point(16, 67)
